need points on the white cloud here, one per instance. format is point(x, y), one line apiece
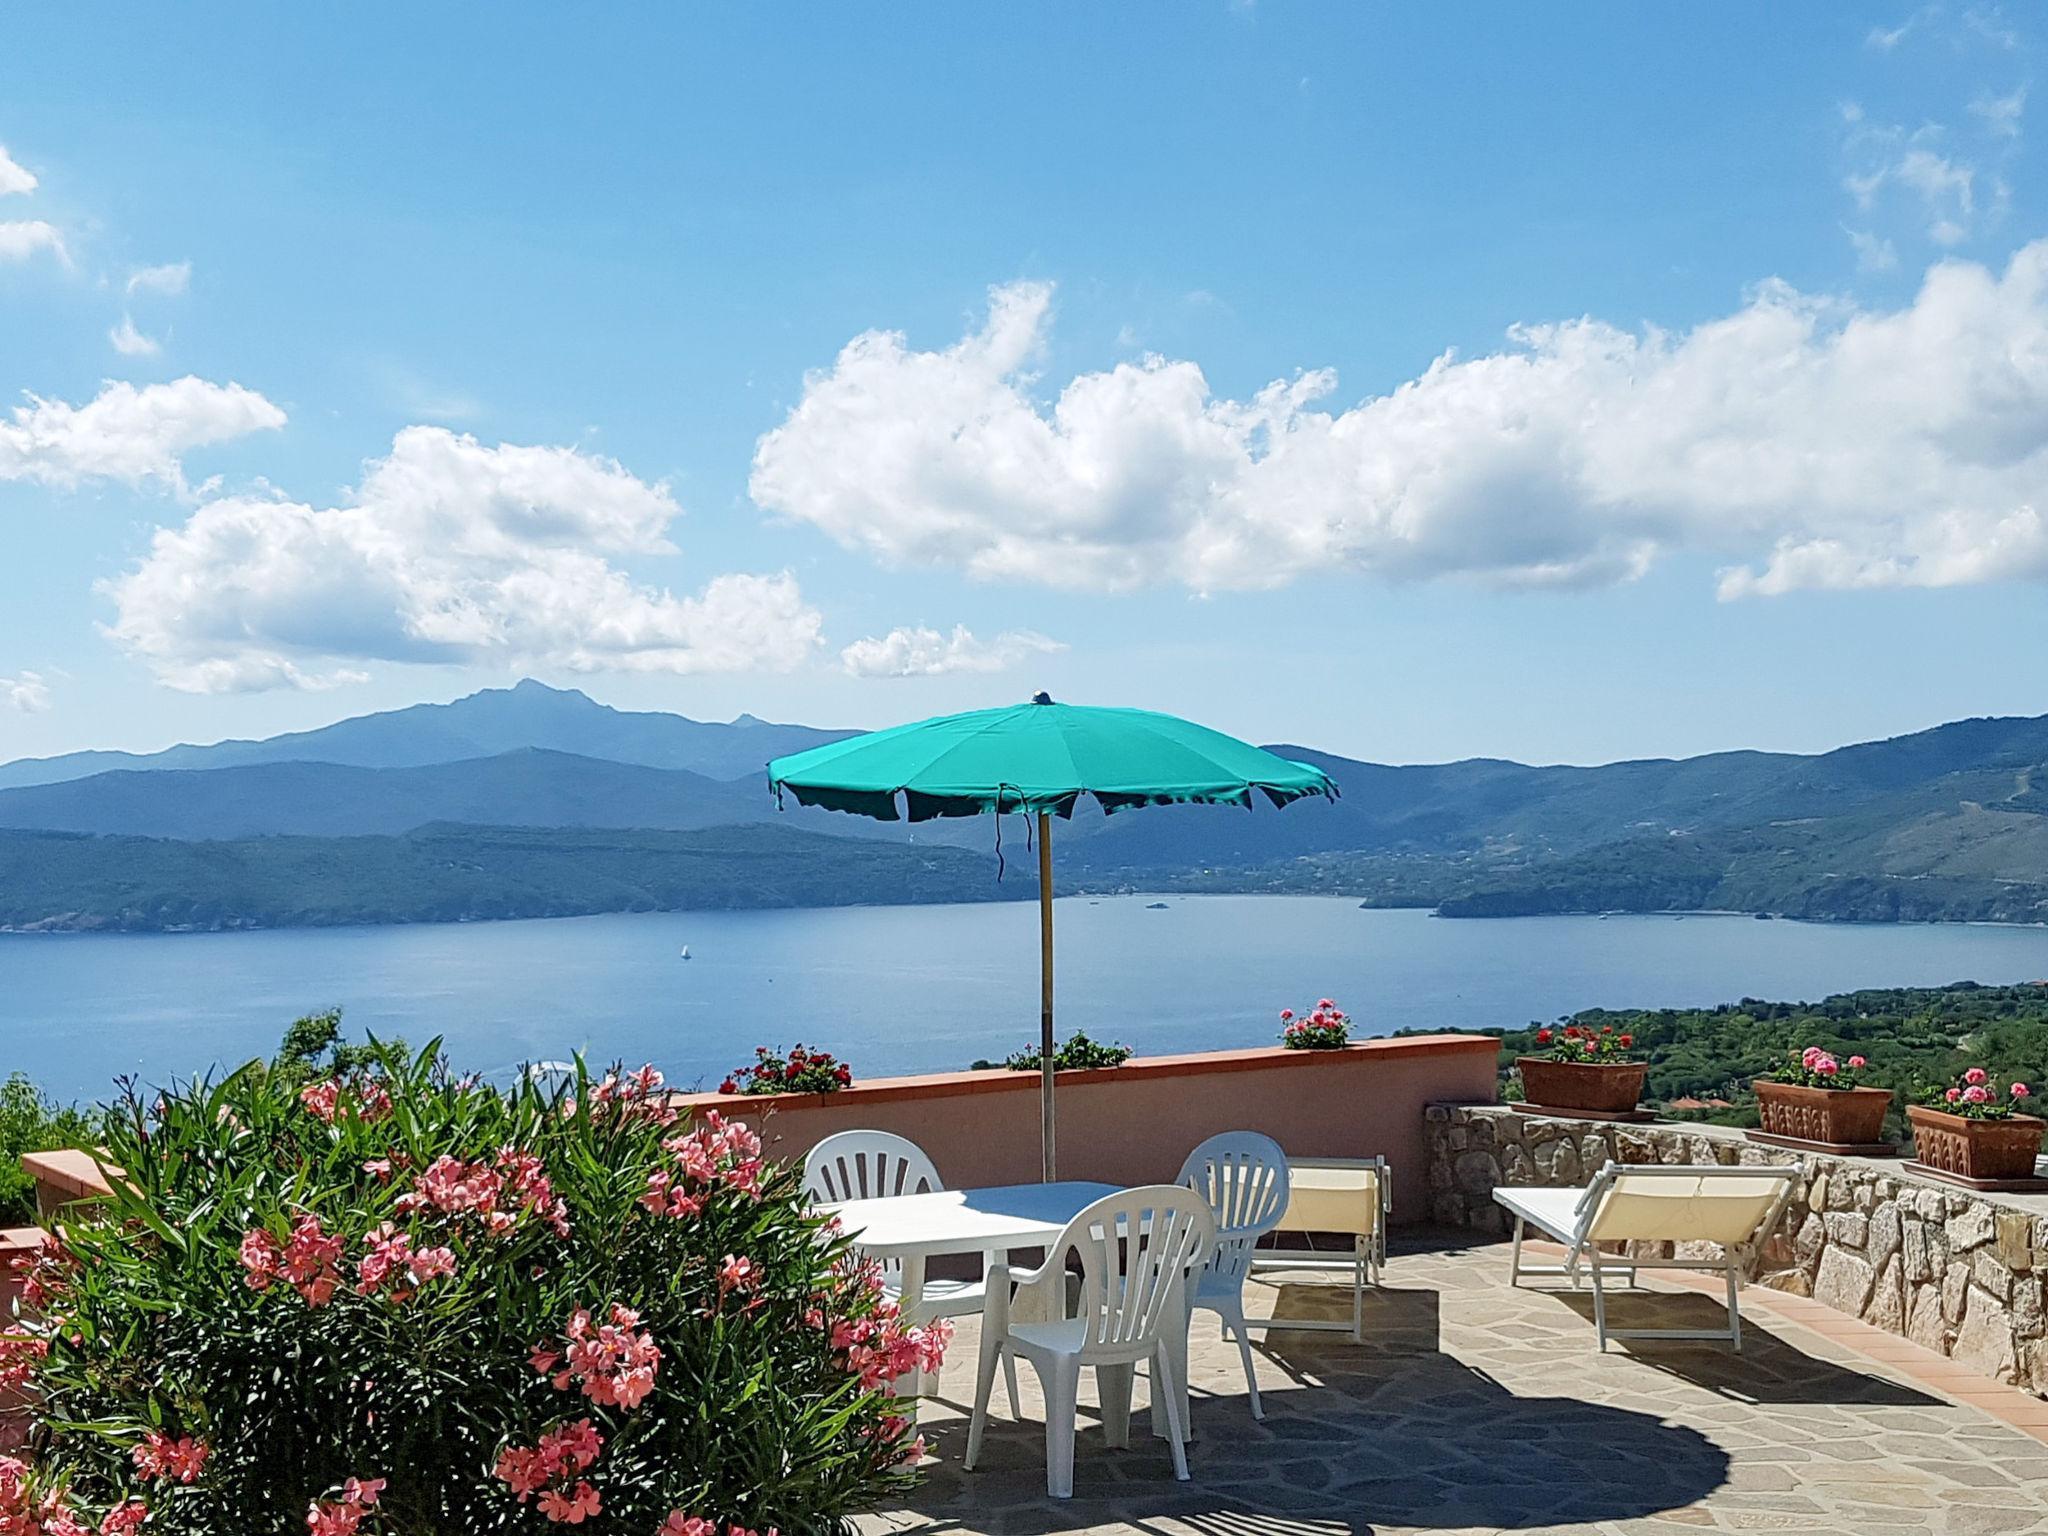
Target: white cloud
point(22, 238)
point(130, 342)
point(26, 692)
point(921, 652)
point(447, 551)
point(14, 177)
point(170, 278)
point(129, 434)
point(1874, 253)
point(2001, 114)
point(1801, 440)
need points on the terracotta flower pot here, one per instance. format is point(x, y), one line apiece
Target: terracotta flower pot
point(1976, 1149)
point(1852, 1117)
point(1605, 1087)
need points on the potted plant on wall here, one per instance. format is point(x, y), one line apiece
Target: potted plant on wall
point(1816, 1101)
point(1325, 1027)
point(1974, 1132)
point(1585, 1072)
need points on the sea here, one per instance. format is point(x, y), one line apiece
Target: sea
point(909, 989)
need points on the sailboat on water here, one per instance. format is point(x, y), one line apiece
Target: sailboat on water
point(686, 952)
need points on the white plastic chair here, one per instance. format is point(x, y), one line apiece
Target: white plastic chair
point(1243, 1176)
point(1734, 1208)
point(870, 1165)
point(1137, 1248)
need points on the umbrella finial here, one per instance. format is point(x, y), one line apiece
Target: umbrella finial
point(1041, 697)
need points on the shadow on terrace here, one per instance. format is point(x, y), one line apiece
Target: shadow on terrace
point(1476, 1407)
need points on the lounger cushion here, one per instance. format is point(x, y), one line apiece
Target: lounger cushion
point(1706, 1209)
point(1325, 1199)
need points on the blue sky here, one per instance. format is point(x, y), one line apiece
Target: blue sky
point(1689, 368)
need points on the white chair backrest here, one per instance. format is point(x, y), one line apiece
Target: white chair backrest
point(1732, 1206)
point(1243, 1176)
point(1136, 1249)
point(866, 1165)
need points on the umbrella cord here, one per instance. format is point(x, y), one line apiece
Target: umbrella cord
point(999, 826)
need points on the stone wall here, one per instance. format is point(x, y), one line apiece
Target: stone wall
point(1961, 1273)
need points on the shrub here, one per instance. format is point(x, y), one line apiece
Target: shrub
point(1324, 1028)
point(1074, 1054)
point(800, 1071)
point(396, 1303)
point(30, 1121)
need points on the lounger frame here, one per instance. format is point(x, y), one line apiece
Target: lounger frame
point(1585, 1261)
point(1367, 1259)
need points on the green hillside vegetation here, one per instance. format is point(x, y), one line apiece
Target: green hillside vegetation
point(442, 873)
point(1912, 1036)
point(1970, 846)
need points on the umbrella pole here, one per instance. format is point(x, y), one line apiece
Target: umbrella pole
point(1047, 1165)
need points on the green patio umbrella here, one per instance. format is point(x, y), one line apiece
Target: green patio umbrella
point(1039, 759)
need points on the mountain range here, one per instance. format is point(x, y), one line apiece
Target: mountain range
point(484, 724)
point(1950, 822)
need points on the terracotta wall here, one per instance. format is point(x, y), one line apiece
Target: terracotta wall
point(1128, 1125)
point(1135, 1123)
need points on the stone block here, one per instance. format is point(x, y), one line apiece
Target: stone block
point(1988, 1272)
point(1984, 1338)
point(2015, 1241)
point(1955, 1290)
point(1887, 1306)
point(1813, 1237)
point(1844, 1281)
point(1974, 1225)
point(1848, 1229)
point(1913, 1250)
point(1883, 1240)
point(1475, 1173)
point(1924, 1321)
point(1515, 1166)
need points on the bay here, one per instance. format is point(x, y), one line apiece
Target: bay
point(909, 989)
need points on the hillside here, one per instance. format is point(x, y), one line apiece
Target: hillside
point(483, 724)
point(62, 882)
point(1912, 1036)
point(1945, 824)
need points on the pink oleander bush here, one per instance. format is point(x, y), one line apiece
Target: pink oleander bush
point(397, 1304)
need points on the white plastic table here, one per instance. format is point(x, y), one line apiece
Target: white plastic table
point(914, 1228)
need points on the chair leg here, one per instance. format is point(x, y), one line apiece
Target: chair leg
point(984, 1379)
point(1010, 1377)
point(1233, 1323)
point(1734, 1312)
point(1361, 1257)
point(1113, 1386)
point(1515, 1256)
point(1060, 1376)
point(1599, 1300)
point(1166, 1394)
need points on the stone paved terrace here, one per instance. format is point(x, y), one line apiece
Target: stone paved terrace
point(1479, 1408)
